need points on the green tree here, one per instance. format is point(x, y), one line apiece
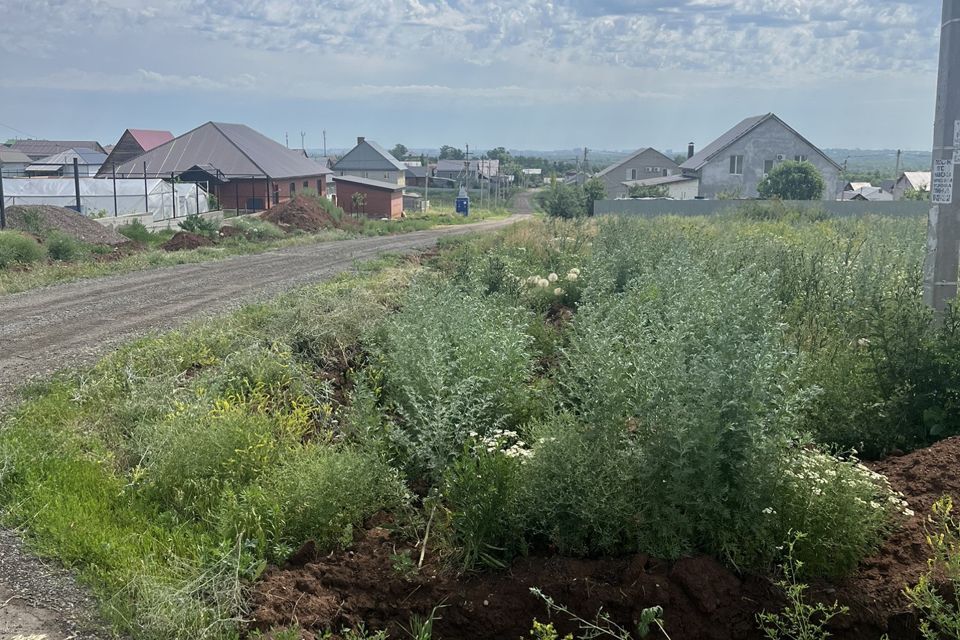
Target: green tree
point(792, 181)
point(451, 153)
point(500, 153)
point(399, 151)
point(916, 194)
point(563, 201)
point(642, 191)
point(593, 189)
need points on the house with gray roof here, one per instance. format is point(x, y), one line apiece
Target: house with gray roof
point(242, 167)
point(39, 149)
point(13, 163)
point(645, 164)
point(734, 164)
point(88, 162)
point(371, 161)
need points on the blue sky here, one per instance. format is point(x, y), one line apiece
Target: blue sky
point(529, 74)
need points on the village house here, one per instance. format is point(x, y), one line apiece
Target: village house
point(13, 163)
point(88, 162)
point(242, 167)
point(369, 198)
point(734, 164)
point(911, 181)
point(677, 187)
point(467, 171)
point(369, 160)
point(133, 143)
point(39, 149)
point(643, 165)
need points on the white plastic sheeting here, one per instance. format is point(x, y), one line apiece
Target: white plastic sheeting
point(96, 196)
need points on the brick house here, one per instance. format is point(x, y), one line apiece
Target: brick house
point(380, 199)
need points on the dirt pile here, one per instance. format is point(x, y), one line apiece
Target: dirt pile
point(701, 598)
point(184, 240)
point(41, 220)
point(302, 213)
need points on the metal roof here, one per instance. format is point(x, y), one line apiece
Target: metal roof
point(64, 158)
point(486, 166)
point(634, 156)
point(12, 156)
point(716, 147)
point(150, 138)
point(43, 148)
point(368, 156)
point(418, 172)
point(235, 149)
point(367, 182)
point(918, 179)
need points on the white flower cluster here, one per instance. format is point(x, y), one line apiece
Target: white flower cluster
point(543, 283)
point(816, 471)
point(502, 441)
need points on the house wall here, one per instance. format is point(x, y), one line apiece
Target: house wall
point(686, 190)
point(398, 178)
point(380, 203)
point(649, 164)
point(257, 189)
point(760, 145)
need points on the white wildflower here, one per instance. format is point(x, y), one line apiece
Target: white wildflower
point(769, 511)
point(572, 276)
point(558, 291)
point(553, 277)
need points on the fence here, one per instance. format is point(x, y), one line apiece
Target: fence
point(656, 208)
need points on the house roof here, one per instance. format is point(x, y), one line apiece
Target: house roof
point(150, 138)
point(856, 186)
point(44, 148)
point(12, 156)
point(57, 160)
point(417, 172)
point(634, 156)
point(485, 166)
point(368, 156)
point(235, 150)
point(716, 147)
point(660, 180)
point(367, 182)
point(918, 179)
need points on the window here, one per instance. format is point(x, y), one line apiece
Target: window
point(293, 188)
point(736, 165)
point(276, 193)
point(632, 174)
point(319, 186)
point(306, 184)
point(799, 158)
point(767, 166)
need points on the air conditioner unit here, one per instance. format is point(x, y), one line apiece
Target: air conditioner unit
point(780, 157)
point(766, 175)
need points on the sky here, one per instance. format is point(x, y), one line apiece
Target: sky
point(527, 74)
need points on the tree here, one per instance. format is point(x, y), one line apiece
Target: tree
point(792, 181)
point(563, 201)
point(451, 153)
point(399, 151)
point(593, 189)
point(500, 153)
point(359, 202)
point(641, 191)
point(916, 194)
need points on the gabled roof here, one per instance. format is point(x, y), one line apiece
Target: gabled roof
point(716, 147)
point(43, 148)
point(12, 156)
point(150, 138)
point(417, 172)
point(58, 160)
point(634, 156)
point(917, 179)
point(367, 182)
point(655, 182)
point(235, 150)
point(483, 165)
point(368, 156)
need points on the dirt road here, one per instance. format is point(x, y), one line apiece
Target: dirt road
point(48, 329)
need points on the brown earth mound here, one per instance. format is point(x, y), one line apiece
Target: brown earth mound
point(40, 220)
point(184, 240)
point(302, 213)
point(702, 599)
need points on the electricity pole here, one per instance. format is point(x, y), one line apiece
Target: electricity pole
point(943, 228)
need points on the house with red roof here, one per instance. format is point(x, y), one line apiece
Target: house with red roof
point(133, 143)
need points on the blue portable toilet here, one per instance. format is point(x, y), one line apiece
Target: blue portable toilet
point(463, 202)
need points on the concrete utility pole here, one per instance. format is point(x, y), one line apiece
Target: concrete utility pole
point(943, 229)
point(3, 207)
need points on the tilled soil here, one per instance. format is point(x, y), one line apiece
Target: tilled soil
point(66, 221)
point(184, 241)
point(44, 330)
point(701, 598)
point(302, 213)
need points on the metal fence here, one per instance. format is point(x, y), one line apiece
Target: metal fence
point(655, 208)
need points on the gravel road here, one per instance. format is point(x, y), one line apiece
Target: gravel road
point(71, 324)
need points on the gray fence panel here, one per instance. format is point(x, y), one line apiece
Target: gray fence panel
point(655, 208)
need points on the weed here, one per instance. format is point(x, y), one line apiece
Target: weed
point(603, 626)
point(936, 596)
point(18, 248)
point(64, 248)
point(195, 223)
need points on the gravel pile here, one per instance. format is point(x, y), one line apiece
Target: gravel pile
point(41, 220)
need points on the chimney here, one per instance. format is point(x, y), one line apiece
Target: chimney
point(690, 150)
point(360, 139)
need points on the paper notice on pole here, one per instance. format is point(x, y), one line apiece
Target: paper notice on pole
point(942, 189)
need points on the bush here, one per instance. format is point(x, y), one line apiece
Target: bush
point(18, 248)
point(258, 230)
point(454, 362)
point(136, 231)
point(197, 224)
point(64, 248)
point(792, 181)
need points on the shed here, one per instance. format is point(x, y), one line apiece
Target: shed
point(375, 198)
point(61, 164)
